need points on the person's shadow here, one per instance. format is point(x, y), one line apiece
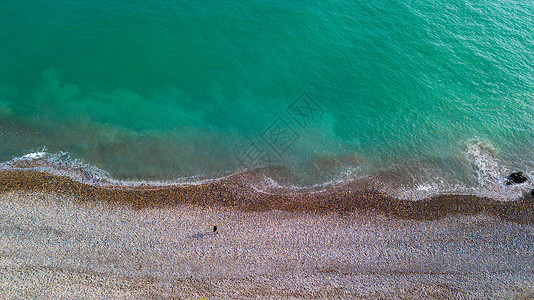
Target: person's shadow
point(201, 235)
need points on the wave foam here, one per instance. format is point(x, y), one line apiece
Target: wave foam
point(491, 172)
point(63, 164)
point(412, 181)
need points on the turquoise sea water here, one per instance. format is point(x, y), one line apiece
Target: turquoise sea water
point(439, 90)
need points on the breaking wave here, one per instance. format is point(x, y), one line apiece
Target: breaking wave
point(414, 190)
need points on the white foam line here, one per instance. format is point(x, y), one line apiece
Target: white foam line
point(59, 161)
point(34, 155)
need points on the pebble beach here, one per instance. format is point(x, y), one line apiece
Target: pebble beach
point(57, 246)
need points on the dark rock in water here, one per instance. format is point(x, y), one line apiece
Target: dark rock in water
point(516, 177)
point(532, 193)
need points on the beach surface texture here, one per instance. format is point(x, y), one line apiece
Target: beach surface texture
point(71, 246)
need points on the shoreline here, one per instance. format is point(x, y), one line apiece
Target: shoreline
point(236, 192)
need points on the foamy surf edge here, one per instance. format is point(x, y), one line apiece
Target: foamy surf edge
point(411, 182)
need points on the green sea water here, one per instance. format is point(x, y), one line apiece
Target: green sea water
point(170, 89)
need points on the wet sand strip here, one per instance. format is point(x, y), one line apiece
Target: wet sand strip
point(236, 192)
